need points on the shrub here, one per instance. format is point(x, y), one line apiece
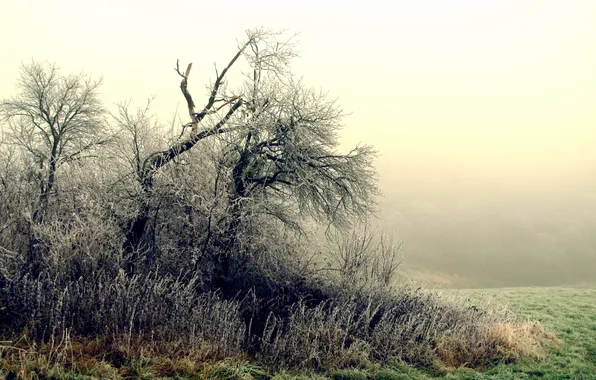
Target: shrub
point(132, 310)
point(409, 324)
point(317, 338)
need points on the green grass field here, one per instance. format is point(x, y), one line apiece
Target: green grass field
point(568, 313)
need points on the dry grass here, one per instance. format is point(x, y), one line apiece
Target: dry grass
point(100, 358)
point(522, 339)
point(415, 326)
point(411, 325)
point(501, 341)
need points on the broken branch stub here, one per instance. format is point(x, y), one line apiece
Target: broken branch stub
point(189, 101)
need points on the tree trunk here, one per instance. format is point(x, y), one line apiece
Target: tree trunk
point(136, 241)
point(34, 246)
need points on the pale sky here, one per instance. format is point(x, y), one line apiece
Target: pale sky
point(474, 105)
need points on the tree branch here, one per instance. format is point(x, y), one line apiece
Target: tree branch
point(159, 159)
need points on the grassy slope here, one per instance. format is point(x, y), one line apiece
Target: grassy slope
point(570, 313)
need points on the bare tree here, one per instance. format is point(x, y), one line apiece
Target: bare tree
point(284, 154)
point(278, 152)
point(56, 119)
point(218, 110)
point(280, 160)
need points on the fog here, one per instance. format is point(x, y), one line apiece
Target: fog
point(474, 231)
point(483, 113)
